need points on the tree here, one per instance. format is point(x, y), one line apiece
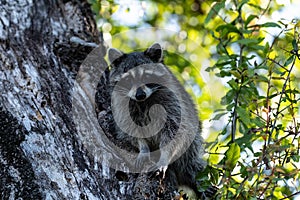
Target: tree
point(42, 45)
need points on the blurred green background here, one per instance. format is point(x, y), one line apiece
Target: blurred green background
point(239, 61)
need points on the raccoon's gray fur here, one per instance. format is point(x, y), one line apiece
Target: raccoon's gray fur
point(180, 116)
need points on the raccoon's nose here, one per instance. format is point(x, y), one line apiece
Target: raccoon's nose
point(140, 94)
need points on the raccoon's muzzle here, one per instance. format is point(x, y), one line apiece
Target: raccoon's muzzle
point(140, 94)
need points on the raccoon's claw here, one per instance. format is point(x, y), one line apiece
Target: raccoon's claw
point(158, 168)
point(163, 170)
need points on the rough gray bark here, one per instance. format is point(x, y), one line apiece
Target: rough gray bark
point(41, 155)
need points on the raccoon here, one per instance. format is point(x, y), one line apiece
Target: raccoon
point(155, 114)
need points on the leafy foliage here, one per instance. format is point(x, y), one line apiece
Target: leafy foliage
point(249, 101)
point(261, 104)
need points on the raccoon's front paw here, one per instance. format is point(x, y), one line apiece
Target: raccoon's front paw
point(160, 166)
point(141, 160)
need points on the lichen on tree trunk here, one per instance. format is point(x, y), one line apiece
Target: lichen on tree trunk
point(41, 154)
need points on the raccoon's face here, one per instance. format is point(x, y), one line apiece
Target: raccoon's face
point(138, 75)
point(140, 82)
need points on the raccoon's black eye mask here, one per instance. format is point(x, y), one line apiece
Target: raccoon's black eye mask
point(154, 86)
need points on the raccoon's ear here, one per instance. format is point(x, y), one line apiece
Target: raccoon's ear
point(114, 54)
point(155, 52)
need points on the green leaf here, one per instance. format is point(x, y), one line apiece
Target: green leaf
point(289, 60)
point(210, 69)
point(270, 24)
point(233, 84)
point(254, 5)
point(245, 141)
point(214, 174)
point(235, 73)
point(243, 115)
point(267, 48)
point(224, 73)
point(262, 78)
point(232, 155)
point(244, 171)
point(248, 41)
point(214, 11)
point(249, 19)
point(219, 115)
point(229, 107)
point(222, 63)
point(227, 28)
point(257, 154)
point(295, 158)
point(295, 45)
point(242, 3)
point(223, 132)
point(243, 128)
point(258, 122)
point(228, 98)
point(258, 47)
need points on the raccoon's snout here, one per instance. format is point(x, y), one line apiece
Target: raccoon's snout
point(140, 94)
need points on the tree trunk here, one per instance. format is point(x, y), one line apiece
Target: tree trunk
point(46, 152)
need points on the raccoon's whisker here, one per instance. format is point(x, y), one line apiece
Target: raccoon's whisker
point(121, 90)
point(168, 90)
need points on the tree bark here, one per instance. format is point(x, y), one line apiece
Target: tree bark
point(43, 153)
